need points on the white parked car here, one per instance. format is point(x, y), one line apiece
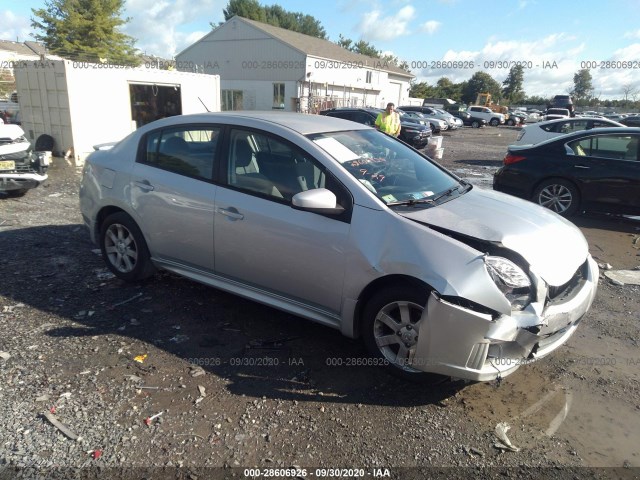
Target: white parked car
point(20, 168)
point(341, 224)
point(538, 132)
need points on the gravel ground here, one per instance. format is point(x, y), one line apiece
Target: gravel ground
point(172, 378)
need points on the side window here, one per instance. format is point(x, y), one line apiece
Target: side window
point(475, 109)
point(363, 118)
point(622, 147)
point(262, 164)
point(187, 150)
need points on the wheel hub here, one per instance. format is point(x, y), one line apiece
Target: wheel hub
point(121, 247)
point(408, 335)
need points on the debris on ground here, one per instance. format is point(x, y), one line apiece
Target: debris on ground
point(504, 444)
point(60, 426)
point(623, 277)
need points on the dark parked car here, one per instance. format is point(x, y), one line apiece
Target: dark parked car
point(596, 169)
point(414, 134)
point(632, 121)
point(563, 101)
point(469, 120)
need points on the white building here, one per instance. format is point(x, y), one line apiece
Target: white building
point(263, 67)
point(83, 104)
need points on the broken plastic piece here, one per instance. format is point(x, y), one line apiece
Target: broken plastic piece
point(96, 454)
point(140, 358)
point(149, 420)
point(60, 426)
point(501, 432)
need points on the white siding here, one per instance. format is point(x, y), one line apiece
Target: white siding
point(82, 104)
point(250, 60)
point(243, 53)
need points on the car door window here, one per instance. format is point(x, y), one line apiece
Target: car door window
point(186, 150)
point(363, 118)
point(262, 164)
point(617, 147)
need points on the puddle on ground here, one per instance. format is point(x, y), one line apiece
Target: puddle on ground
point(590, 408)
point(482, 179)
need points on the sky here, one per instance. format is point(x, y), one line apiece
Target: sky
point(551, 39)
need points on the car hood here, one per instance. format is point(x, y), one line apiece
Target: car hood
point(13, 145)
point(553, 247)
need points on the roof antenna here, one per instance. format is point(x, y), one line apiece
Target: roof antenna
point(205, 107)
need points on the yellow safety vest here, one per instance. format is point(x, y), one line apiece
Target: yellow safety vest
point(388, 123)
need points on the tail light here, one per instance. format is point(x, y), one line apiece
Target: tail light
point(510, 158)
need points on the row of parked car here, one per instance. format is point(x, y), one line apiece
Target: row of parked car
point(418, 123)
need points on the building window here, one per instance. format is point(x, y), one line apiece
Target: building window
point(278, 96)
point(369, 76)
point(231, 100)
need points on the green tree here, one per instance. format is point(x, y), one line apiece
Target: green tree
point(582, 86)
point(275, 15)
point(481, 82)
point(87, 30)
point(445, 88)
point(250, 9)
point(512, 86)
point(368, 49)
point(421, 90)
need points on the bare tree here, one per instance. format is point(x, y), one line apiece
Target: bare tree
point(629, 90)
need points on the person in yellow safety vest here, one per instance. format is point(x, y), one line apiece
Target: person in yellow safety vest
point(389, 121)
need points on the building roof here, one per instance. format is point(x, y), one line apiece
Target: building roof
point(27, 48)
point(320, 48)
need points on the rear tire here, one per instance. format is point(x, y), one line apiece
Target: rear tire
point(124, 248)
point(475, 124)
point(391, 327)
point(558, 195)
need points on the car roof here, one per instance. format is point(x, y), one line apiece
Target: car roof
point(301, 123)
point(570, 119)
point(582, 133)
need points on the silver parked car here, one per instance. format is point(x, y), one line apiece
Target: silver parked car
point(343, 225)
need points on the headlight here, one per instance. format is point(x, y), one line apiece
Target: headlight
point(511, 280)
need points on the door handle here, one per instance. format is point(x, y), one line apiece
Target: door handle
point(582, 166)
point(144, 185)
point(231, 212)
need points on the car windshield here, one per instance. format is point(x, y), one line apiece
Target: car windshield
point(391, 170)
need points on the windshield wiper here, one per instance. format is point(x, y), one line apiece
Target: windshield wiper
point(446, 193)
point(410, 202)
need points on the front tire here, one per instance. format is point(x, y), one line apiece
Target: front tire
point(124, 248)
point(494, 122)
point(391, 328)
point(558, 195)
point(475, 124)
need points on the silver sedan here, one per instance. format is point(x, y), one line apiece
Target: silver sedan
point(343, 225)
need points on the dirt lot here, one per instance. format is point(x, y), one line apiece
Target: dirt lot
point(240, 385)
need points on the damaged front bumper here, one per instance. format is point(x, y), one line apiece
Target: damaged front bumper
point(460, 342)
point(20, 181)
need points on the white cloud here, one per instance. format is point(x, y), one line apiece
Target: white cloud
point(159, 26)
point(430, 27)
point(634, 34)
point(550, 62)
point(14, 27)
point(376, 27)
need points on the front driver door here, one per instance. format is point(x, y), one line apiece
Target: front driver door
point(261, 241)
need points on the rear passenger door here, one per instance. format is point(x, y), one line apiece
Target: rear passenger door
point(608, 168)
point(260, 240)
point(172, 193)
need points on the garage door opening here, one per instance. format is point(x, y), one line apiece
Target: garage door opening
point(152, 102)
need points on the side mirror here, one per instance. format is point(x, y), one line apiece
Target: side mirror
point(319, 200)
